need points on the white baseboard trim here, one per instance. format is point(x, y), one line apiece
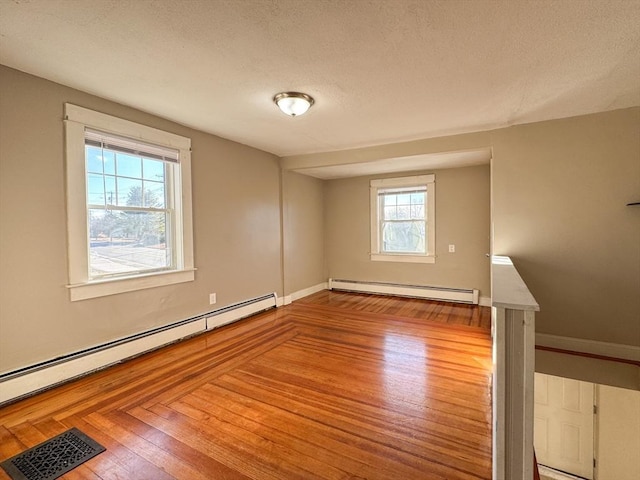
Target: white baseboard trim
point(445, 294)
point(19, 386)
point(27, 381)
point(614, 350)
point(305, 292)
point(485, 301)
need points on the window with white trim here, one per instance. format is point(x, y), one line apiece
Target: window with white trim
point(403, 219)
point(128, 205)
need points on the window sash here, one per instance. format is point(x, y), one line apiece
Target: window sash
point(380, 189)
point(115, 254)
point(383, 222)
point(126, 208)
point(384, 204)
point(118, 244)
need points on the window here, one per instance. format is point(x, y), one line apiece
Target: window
point(403, 219)
point(128, 205)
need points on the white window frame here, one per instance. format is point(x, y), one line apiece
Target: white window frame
point(427, 181)
point(77, 119)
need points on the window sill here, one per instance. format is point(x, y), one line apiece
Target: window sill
point(382, 257)
point(102, 288)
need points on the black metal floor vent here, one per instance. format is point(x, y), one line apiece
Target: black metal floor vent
point(53, 458)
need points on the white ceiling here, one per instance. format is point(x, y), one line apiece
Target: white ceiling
point(381, 71)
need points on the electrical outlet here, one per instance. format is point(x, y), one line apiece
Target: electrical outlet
point(212, 298)
point(452, 249)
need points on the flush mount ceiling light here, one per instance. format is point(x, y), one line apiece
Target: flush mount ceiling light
point(293, 103)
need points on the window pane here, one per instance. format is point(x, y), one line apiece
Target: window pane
point(109, 162)
point(417, 199)
point(417, 212)
point(404, 212)
point(404, 199)
point(110, 189)
point(94, 159)
point(389, 199)
point(129, 192)
point(153, 170)
point(127, 242)
point(390, 213)
point(95, 189)
point(403, 237)
point(153, 194)
point(129, 166)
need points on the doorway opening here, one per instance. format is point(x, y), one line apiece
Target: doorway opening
point(584, 430)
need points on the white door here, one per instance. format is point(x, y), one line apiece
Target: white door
point(563, 426)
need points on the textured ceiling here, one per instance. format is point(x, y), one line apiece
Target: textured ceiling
point(381, 71)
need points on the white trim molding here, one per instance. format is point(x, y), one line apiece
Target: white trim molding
point(81, 286)
point(593, 347)
point(402, 258)
point(95, 289)
point(305, 292)
point(485, 301)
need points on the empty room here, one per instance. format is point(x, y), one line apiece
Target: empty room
point(319, 239)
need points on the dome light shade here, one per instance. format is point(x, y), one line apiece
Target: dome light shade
point(293, 103)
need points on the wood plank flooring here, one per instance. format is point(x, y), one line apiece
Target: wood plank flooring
point(333, 386)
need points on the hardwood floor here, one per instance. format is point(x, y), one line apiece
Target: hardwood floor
point(333, 386)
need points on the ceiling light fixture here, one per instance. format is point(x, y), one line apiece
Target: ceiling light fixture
point(293, 103)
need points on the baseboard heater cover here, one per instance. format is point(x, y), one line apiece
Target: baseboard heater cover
point(458, 295)
point(240, 310)
point(27, 381)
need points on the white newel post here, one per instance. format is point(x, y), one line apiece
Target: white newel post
point(513, 330)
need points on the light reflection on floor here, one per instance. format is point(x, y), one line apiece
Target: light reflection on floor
point(404, 372)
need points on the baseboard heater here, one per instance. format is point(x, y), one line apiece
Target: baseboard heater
point(458, 295)
point(27, 381)
point(240, 310)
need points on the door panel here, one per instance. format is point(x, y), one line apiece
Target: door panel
point(563, 424)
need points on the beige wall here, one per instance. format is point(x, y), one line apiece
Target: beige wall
point(559, 195)
point(236, 216)
point(462, 218)
point(560, 190)
point(303, 222)
point(587, 369)
point(618, 433)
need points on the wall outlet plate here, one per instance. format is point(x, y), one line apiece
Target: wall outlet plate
point(212, 299)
